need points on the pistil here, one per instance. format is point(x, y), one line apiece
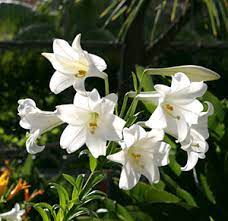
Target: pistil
point(93, 122)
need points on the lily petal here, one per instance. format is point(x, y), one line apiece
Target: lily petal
point(61, 47)
point(76, 45)
point(151, 172)
point(157, 119)
point(179, 82)
point(192, 161)
point(112, 127)
point(133, 134)
point(31, 144)
point(72, 138)
point(119, 157)
point(59, 82)
point(162, 154)
point(182, 129)
point(96, 145)
point(56, 64)
point(129, 177)
point(71, 114)
point(79, 84)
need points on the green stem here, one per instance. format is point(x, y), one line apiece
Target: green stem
point(87, 181)
point(134, 103)
point(106, 86)
point(124, 105)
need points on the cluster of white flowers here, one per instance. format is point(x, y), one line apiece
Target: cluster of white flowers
point(15, 214)
point(91, 119)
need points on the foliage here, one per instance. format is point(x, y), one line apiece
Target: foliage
point(74, 203)
point(199, 194)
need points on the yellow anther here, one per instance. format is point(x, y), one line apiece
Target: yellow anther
point(94, 117)
point(136, 156)
point(81, 74)
point(169, 107)
point(169, 110)
point(196, 145)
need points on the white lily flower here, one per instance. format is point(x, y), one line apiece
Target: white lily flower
point(73, 65)
point(36, 121)
point(177, 106)
point(15, 214)
point(195, 144)
point(91, 122)
point(142, 153)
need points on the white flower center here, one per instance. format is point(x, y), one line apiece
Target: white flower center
point(169, 110)
point(93, 122)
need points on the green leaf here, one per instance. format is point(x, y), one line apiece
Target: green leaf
point(206, 188)
point(145, 81)
point(63, 195)
point(143, 192)
point(80, 181)
point(115, 11)
point(147, 84)
point(224, 14)
point(127, 23)
point(173, 14)
point(91, 182)
point(118, 210)
point(135, 82)
point(26, 169)
point(175, 167)
point(92, 163)
point(180, 192)
point(159, 9)
point(213, 14)
point(70, 179)
point(47, 206)
point(42, 212)
point(195, 73)
point(109, 8)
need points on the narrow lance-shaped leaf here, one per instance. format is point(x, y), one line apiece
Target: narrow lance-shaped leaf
point(194, 72)
point(42, 212)
point(92, 163)
point(173, 14)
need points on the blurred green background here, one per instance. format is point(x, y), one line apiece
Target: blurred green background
point(125, 33)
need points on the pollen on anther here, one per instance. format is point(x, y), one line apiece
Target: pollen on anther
point(80, 74)
point(169, 107)
point(136, 156)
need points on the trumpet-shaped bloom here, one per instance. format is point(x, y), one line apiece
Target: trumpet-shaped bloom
point(73, 65)
point(142, 153)
point(177, 106)
point(91, 122)
point(195, 144)
point(36, 121)
point(15, 214)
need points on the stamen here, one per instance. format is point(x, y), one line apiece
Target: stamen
point(196, 145)
point(81, 74)
point(169, 107)
point(93, 122)
point(136, 156)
